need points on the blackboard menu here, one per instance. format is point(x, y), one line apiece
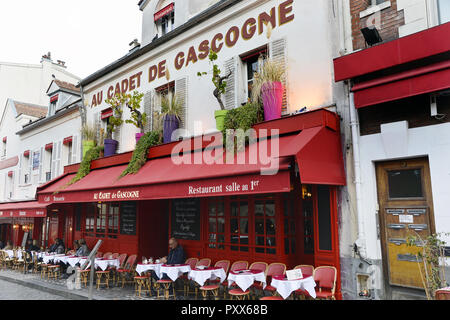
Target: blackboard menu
point(186, 219)
point(128, 218)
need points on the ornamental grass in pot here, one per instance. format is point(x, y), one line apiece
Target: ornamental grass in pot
point(114, 121)
point(138, 118)
point(171, 110)
point(89, 136)
point(268, 88)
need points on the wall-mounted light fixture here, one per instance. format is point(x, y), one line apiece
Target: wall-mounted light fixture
point(371, 35)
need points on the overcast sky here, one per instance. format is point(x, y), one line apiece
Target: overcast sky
point(86, 34)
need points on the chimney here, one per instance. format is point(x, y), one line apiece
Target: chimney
point(61, 63)
point(47, 56)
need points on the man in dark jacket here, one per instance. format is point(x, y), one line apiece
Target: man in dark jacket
point(176, 253)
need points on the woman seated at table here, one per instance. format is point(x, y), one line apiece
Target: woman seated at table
point(76, 245)
point(83, 250)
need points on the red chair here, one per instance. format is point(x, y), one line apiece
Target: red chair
point(204, 262)
point(99, 255)
point(107, 255)
point(128, 269)
point(214, 285)
point(239, 265)
point(307, 270)
point(273, 298)
point(122, 259)
point(258, 266)
point(115, 256)
point(274, 269)
point(442, 294)
point(192, 262)
point(325, 278)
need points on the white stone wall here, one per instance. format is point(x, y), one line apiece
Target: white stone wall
point(419, 15)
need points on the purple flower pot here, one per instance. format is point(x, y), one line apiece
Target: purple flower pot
point(139, 136)
point(272, 97)
point(171, 124)
point(110, 147)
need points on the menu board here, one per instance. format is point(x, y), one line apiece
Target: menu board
point(186, 219)
point(128, 218)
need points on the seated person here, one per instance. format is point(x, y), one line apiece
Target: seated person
point(9, 245)
point(76, 245)
point(176, 256)
point(83, 250)
point(53, 246)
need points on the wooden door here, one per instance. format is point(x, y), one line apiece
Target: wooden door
point(405, 208)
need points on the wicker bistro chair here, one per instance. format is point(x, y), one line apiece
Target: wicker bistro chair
point(214, 285)
point(107, 255)
point(115, 274)
point(307, 270)
point(142, 283)
point(6, 261)
point(36, 263)
point(206, 262)
point(274, 269)
point(127, 272)
point(325, 278)
point(237, 265)
point(442, 294)
point(192, 262)
point(18, 262)
point(256, 288)
point(115, 256)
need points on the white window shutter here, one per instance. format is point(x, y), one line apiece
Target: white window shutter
point(75, 149)
point(229, 100)
point(58, 159)
point(148, 110)
point(53, 166)
point(30, 167)
point(277, 52)
point(41, 165)
point(21, 170)
point(181, 91)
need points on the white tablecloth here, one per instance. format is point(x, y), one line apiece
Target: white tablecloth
point(246, 279)
point(140, 268)
point(173, 272)
point(200, 276)
point(102, 263)
point(286, 287)
point(62, 259)
point(73, 261)
point(10, 253)
point(105, 263)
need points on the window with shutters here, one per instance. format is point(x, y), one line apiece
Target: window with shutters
point(230, 70)
point(69, 152)
point(277, 52)
point(48, 164)
point(25, 168)
point(166, 90)
point(181, 91)
point(253, 61)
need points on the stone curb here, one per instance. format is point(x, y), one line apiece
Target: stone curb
point(60, 292)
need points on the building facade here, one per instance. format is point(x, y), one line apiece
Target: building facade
point(399, 101)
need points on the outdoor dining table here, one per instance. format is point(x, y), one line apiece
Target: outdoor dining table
point(62, 259)
point(285, 287)
point(201, 275)
point(175, 270)
point(72, 261)
point(51, 257)
point(142, 267)
point(10, 253)
point(245, 278)
point(102, 263)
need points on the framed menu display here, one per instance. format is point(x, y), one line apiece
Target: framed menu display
point(186, 219)
point(128, 218)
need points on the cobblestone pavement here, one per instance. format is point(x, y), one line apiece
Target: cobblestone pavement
point(41, 286)
point(13, 291)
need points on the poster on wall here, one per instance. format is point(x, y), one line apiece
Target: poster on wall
point(24, 240)
point(185, 223)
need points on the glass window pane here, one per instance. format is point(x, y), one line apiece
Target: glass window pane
point(270, 226)
point(244, 209)
point(324, 212)
point(405, 183)
point(270, 242)
point(259, 226)
point(444, 11)
point(212, 208)
point(234, 226)
point(244, 226)
point(220, 209)
point(270, 208)
point(259, 208)
point(221, 225)
point(259, 241)
point(286, 245)
point(234, 209)
point(212, 225)
point(293, 245)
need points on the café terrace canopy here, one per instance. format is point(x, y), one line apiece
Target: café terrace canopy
point(30, 209)
point(316, 150)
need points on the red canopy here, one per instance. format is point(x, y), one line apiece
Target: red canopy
point(31, 209)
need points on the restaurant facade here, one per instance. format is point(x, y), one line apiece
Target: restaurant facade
point(284, 207)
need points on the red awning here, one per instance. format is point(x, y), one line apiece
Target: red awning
point(26, 153)
point(31, 209)
point(319, 156)
point(49, 146)
point(428, 79)
point(164, 11)
point(54, 98)
point(4, 139)
point(317, 151)
point(107, 113)
point(67, 140)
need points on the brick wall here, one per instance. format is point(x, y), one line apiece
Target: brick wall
point(390, 21)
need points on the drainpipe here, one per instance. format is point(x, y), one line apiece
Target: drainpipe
point(354, 124)
point(83, 107)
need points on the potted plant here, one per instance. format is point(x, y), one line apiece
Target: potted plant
point(268, 88)
point(138, 119)
point(171, 109)
point(219, 88)
point(89, 136)
point(114, 121)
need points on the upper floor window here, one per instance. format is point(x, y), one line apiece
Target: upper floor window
point(444, 11)
point(4, 147)
point(164, 17)
point(253, 62)
point(376, 2)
